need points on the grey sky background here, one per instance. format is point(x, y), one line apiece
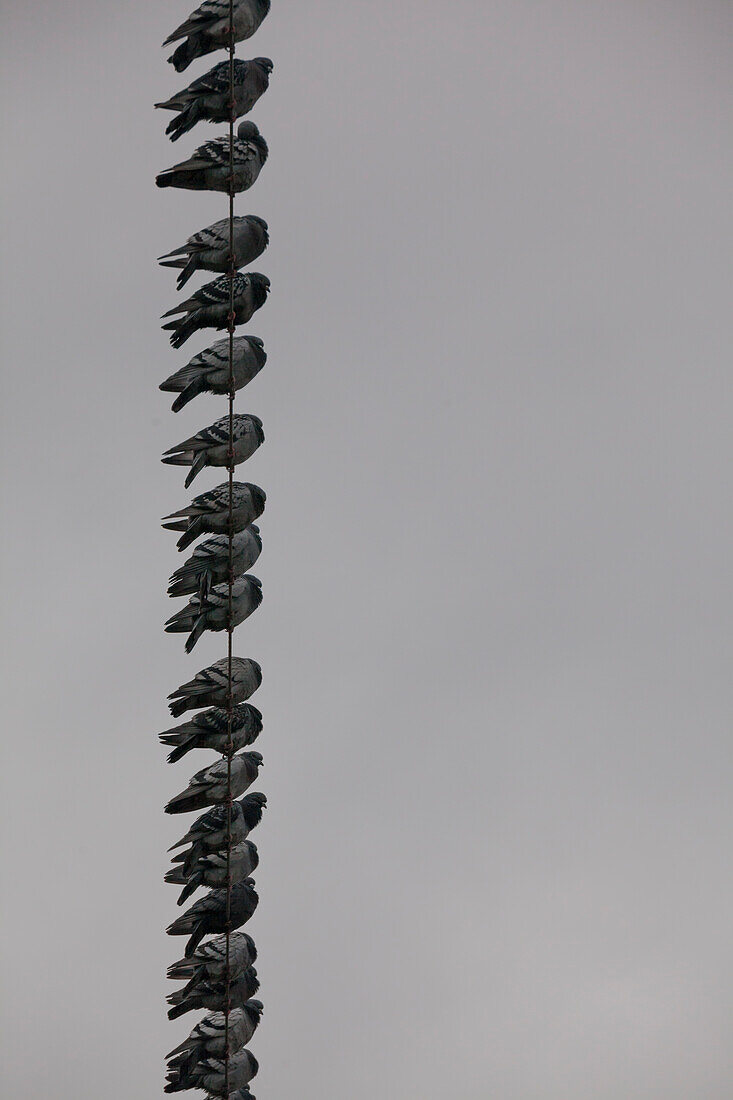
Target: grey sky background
point(496, 633)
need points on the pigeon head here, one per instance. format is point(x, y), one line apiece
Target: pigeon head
point(247, 130)
point(255, 758)
point(260, 288)
point(255, 801)
point(255, 1007)
point(260, 224)
point(264, 63)
point(258, 350)
point(251, 808)
point(260, 498)
point(246, 985)
point(256, 716)
point(259, 434)
point(255, 858)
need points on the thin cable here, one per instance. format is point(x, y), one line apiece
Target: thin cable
point(230, 628)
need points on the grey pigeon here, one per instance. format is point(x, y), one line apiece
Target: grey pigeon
point(209, 563)
point(210, 306)
point(210, 446)
point(211, 612)
point(209, 97)
point(209, 961)
point(210, 730)
point(208, 916)
point(208, 514)
point(213, 995)
point(208, 372)
point(213, 870)
point(208, 787)
point(208, 29)
point(209, 832)
point(209, 168)
point(211, 1075)
point(208, 250)
point(210, 686)
point(208, 1038)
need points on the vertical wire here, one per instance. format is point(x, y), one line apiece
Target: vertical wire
point(230, 628)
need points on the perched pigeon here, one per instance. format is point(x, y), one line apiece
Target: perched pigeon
point(208, 250)
point(211, 1075)
point(208, 514)
point(210, 686)
point(209, 961)
point(209, 832)
point(208, 916)
point(208, 1038)
point(212, 995)
point(209, 563)
point(210, 446)
point(209, 786)
point(211, 612)
point(209, 168)
point(208, 372)
point(209, 97)
point(213, 870)
point(210, 730)
point(208, 29)
point(210, 306)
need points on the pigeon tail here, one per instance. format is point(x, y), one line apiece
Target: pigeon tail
point(193, 389)
point(199, 628)
point(199, 461)
point(185, 121)
point(183, 742)
point(188, 51)
point(190, 888)
point(195, 529)
point(182, 329)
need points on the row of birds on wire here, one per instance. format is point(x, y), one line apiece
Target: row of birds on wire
point(216, 852)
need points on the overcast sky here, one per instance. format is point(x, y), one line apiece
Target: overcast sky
point(496, 633)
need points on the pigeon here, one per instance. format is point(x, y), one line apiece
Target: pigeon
point(209, 98)
point(210, 686)
point(208, 29)
point(209, 563)
point(209, 832)
point(208, 372)
point(209, 786)
point(211, 612)
point(209, 962)
point(211, 1075)
point(209, 513)
point(213, 870)
point(210, 730)
point(212, 995)
point(208, 250)
point(211, 305)
point(210, 446)
point(208, 916)
point(211, 169)
point(208, 1038)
